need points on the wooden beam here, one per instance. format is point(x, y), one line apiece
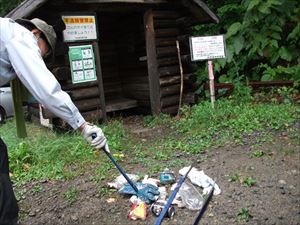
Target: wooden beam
point(19, 114)
point(118, 1)
point(153, 74)
point(25, 8)
point(100, 79)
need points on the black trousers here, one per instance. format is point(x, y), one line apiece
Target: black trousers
point(8, 204)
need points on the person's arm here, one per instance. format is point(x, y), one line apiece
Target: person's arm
point(29, 66)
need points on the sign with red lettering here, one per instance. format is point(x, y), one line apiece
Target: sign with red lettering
point(80, 28)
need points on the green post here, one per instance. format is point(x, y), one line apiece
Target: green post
point(19, 114)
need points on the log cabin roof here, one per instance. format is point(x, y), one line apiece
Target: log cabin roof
point(197, 7)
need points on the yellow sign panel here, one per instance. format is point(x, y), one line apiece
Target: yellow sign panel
point(79, 28)
point(72, 20)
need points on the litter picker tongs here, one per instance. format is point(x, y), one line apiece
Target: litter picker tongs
point(146, 193)
point(172, 196)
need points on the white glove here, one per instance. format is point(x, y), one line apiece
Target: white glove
point(98, 140)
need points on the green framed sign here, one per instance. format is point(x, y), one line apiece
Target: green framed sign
point(82, 63)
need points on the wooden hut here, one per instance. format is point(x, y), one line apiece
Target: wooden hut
point(137, 58)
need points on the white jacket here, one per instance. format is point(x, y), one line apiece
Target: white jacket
point(20, 56)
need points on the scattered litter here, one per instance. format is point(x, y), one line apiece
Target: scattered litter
point(110, 200)
point(152, 181)
point(163, 193)
point(138, 211)
point(189, 196)
point(167, 177)
point(200, 179)
point(147, 192)
point(120, 181)
point(157, 207)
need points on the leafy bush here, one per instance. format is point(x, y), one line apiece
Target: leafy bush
point(262, 39)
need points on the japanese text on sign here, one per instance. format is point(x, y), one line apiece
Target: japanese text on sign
point(207, 47)
point(82, 63)
point(79, 28)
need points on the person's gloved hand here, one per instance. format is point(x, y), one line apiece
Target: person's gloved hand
point(99, 141)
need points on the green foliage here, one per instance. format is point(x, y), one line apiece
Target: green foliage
point(71, 195)
point(258, 153)
point(234, 178)
point(7, 5)
point(249, 181)
point(262, 40)
point(231, 119)
point(244, 214)
point(46, 155)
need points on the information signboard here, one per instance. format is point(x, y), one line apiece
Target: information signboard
point(79, 28)
point(82, 63)
point(207, 47)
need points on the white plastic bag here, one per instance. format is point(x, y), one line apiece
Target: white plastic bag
point(200, 179)
point(120, 181)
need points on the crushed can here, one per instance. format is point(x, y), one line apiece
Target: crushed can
point(157, 207)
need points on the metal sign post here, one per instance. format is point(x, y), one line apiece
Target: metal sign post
point(208, 48)
point(211, 83)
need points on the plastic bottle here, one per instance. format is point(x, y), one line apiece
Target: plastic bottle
point(190, 196)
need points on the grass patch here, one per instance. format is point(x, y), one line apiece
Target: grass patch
point(47, 155)
point(202, 126)
point(71, 195)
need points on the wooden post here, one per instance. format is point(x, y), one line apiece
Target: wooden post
point(100, 80)
point(19, 114)
point(211, 83)
point(153, 74)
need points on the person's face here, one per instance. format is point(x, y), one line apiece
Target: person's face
point(42, 43)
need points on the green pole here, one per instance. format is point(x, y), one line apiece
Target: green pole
point(19, 114)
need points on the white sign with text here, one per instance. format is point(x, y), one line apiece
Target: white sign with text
point(207, 47)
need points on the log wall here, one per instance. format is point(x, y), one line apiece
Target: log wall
point(123, 57)
point(169, 28)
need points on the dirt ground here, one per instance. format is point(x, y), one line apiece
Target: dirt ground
point(273, 200)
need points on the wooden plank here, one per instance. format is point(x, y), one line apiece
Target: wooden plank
point(170, 90)
point(201, 11)
point(136, 87)
point(170, 80)
point(118, 1)
point(70, 86)
point(88, 104)
point(84, 93)
point(121, 103)
point(166, 51)
point(166, 41)
point(167, 23)
point(99, 79)
point(92, 115)
point(167, 61)
point(25, 8)
point(166, 14)
point(169, 101)
point(169, 70)
point(167, 32)
point(152, 63)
